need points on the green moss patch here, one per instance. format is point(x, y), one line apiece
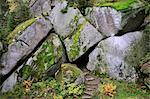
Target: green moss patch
point(75, 49)
point(19, 29)
point(120, 5)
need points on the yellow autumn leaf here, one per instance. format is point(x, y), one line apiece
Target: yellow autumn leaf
point(109, 89)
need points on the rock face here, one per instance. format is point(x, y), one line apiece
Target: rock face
point(24, 45)
point(9, 83)
point(107, 20)
point(64, 23)
point(80, 42)
point(79, 35)
point(114, 56)
point(37, 7)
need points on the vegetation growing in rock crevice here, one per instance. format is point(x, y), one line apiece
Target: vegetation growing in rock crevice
point(41, 62)
point(74, 52)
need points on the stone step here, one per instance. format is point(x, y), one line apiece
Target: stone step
point(89, 78)
point(90, 89)
point(90, 93)
point(92, 82)
point(86, 97)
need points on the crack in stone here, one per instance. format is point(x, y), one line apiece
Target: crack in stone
point(22, 41)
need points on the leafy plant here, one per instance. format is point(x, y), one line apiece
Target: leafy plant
point(74, 89)
point(109, 89)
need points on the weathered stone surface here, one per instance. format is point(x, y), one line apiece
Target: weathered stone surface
point(65, 23)
point(81, 41)
point(107, 20)
point(9, 83)
point(25, 44)
point(80, 35)
point(37, 7)
point(118, 56)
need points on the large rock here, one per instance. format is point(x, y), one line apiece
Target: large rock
point(81, 41)
point(118, 56)
point(107, 20)
point(37, 7)
point(65, 23)
point(78, 34)
point(25, 44)
point(9, 83)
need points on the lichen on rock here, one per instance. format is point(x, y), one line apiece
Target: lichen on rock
point(21, 27)
point(119, 55)
point(74, 48)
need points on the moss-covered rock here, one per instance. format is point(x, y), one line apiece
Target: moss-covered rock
point(17, 31)
point(68, 73)
point(27, 42)
point(76, 32)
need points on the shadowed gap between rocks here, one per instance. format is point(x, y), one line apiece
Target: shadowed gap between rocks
point(56, 66)
point(83, 60)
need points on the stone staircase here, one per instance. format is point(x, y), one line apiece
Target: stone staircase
point(91, 85)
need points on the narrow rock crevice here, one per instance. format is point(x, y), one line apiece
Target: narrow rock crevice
point(83, 60)
point(65, 57)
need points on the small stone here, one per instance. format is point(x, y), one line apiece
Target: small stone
point(146, 68)
point(91, 87)
point(93, 82)
point(147, 82)
point(86, 97)
point(89, 92)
